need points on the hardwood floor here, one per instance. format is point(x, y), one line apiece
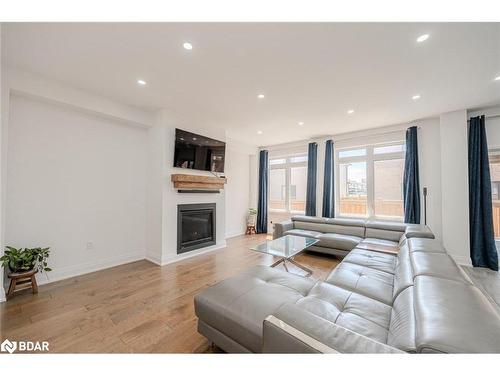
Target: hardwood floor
point(134, 308)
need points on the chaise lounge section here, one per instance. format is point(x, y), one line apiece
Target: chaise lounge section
point(418, 301)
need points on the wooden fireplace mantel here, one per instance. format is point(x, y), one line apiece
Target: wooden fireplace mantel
point(190, 181)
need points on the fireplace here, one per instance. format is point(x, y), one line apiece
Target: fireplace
point(195, 226)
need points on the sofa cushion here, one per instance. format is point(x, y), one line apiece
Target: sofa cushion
point(379, 242)
point(402, 326)
point(403, 272)
point(363, 280)
point(425, 245)
point(303, 233)
point(371, 259)
point(350, 310)
point(454, 317)
point(438, 265)
point(338, 241)
point(238, 306)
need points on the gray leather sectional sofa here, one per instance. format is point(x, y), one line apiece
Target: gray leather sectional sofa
point(339, 236)
point(418, 301)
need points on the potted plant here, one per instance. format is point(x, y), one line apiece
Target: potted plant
point(24, 260)
point(251, 219)
point(252, 216)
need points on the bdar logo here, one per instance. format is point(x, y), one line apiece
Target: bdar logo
point(8, 346)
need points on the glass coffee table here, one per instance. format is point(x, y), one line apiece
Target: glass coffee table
point(286, 248)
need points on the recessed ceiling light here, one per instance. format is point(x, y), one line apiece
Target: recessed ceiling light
point(141, 82)
point(351, 111)
point(259, 132)
point(194, 138)
point(261, 96)
point(187, 46)
point(497, 78)
point(416, 97)
point(301, 123)
point(422, 38)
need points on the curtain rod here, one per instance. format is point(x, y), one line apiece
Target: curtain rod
point(492, 116)
point(370, 135)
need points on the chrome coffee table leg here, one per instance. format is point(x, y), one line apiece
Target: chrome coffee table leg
point(278, 262)
point(303, 268)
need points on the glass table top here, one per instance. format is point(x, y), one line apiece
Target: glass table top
point(286, 246)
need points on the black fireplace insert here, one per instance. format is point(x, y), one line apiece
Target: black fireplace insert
point(195, 226)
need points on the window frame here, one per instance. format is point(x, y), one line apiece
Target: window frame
point(494, 151)
point(287, 166)
point(369, 158)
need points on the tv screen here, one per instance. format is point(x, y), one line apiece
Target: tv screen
point(194, 151)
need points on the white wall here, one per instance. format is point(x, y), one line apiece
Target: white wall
point(237, 171)
point(429, 155)
point(454, 185)
point(2, 221)
point(492, 123)
point(74, 178)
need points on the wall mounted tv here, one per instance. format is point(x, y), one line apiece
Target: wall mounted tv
point(194, 151)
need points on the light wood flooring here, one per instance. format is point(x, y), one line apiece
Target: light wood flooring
point(134, 308)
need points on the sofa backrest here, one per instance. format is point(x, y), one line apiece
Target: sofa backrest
point(386, 230)
point(436, 308)
point(351, 227)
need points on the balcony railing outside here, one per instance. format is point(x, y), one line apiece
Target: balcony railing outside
point(496, 218)
point(357, 206)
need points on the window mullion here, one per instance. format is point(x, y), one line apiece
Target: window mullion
point(287, 190)
point(370, 184)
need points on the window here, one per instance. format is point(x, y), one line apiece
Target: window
point(277, 189)
point(353, 193)
point(298, 178)
point(287, 183)
point(370, 181)
point(495, 190)
point(388, 187)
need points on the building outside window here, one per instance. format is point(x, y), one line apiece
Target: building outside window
point(287, 184)
point(370, 181)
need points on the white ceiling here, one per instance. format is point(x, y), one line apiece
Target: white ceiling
point(309, 72)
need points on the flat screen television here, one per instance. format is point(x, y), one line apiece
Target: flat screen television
point(194, 151)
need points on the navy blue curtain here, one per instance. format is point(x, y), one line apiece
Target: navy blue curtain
point(411, 180)
point(312, 154)
point(262, 203)
point(483, 251)
point(328, 201)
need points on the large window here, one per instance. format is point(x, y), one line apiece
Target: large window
point(287, 184)
point(495, 190)
point(370, 181)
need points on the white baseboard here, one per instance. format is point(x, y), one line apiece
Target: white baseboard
point(80, 269)
point(153, 259)
point(234, 234)
point(178, 258)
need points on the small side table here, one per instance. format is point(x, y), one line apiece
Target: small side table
point(21, 281)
